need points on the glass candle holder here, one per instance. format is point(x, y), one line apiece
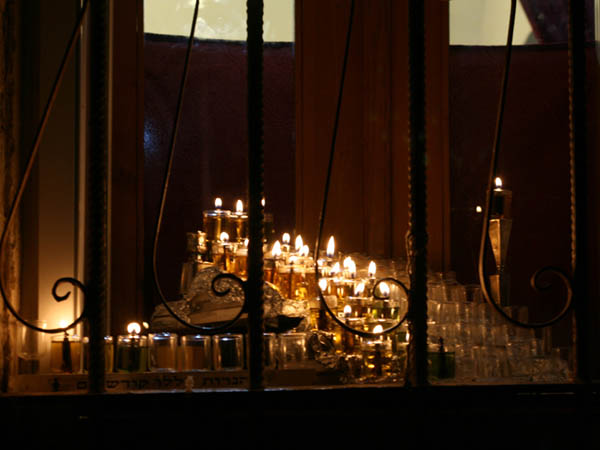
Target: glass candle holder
point(163, 352)
point(109, 354)
point(239, 226)
point(223, 256)
point(228, 352)
point(240, 262)
point(31, 347)
point(292, 350)
point(377, 358)
point(196, 352)
point(132, 353)
point(65, 354)
point(215, 222)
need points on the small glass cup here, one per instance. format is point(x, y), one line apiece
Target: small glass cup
point(132, 353)
point(196, 353)
point(163, 352)
point(292, 350)
point(31, 347)
point(65, 354)
point(228, 352)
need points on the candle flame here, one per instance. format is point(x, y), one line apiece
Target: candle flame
point(218, 203)
point(378, 329)
point(498, 182)
point(146, 325)
point(350, 266)
point(384, 289)
point(372, 269)
point(299, 243)
point(263, 202)
point(322, 284)
point(336, 269)
point(134, 328)
point(224, 236)
point(359, 288)
point(285, 238)
point(246, 242)
point(276, 250)
point(304, 251)
point(478, 209)
point(63, 323)
point(239, 206)
point(347, 310)
point(331, 247)
point(407, 336)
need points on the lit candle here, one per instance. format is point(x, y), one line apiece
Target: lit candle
point(240, 220)
point(216, 221)
point(285, 243)
point(132, 350)
point(372, 269)
point(330, 248)
point(271, 267)
point(501, 201)
point(298, 243)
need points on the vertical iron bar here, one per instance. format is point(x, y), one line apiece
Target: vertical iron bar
point(254, 285)
point(578, 159)
point(416, 368)
point(97, 176)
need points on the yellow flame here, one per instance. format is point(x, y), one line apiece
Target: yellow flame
point(384, 289)
point(263, 202)
point(218, 203)
point(299, 243)
point(304, 251)
point(347, 310)
point(239, 206)
point(351, 268)
point(246, 242)
point(407, 336)
point(285, 238)
point(478, 209)
point(331, 247)
point(336, 269)
point(372, 269)
point(378, 329)
point(359, 289)
point(276, 250)
point(323, 284)
point(498, 182)
point(224, 236)
point(134, 328)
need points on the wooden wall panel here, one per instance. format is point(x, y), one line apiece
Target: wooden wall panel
point(367, 205)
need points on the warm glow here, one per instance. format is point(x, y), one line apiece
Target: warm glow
point(351, 268)
point(498, 182)
point(146, 325)
point(298, 245)
point(347, 310)
point(239, 206)
point(224, 236)
point(304, 251)
point(331, 247)
point(359, 289)
point(286, 238)
point(384, 289)
point(372, 269)
point(246, 242)
point(63, 323)
point(134, 328)
point(323, 284)
point(263, 202)
point(336, 269)
point(478, 209)
point(218, 203)
point(276, 250)
point(407, 336)
point(378, 329)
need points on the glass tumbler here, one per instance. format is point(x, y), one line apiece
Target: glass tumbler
point(228, 351)
point(196, 352)
point(292, 350)
point(163, 352)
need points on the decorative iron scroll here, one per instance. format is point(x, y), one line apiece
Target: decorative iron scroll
point(25, 177)
point(215, 282)
point(339, 322)
point(535, 279)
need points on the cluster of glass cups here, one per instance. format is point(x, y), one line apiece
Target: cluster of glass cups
point(484, 346)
